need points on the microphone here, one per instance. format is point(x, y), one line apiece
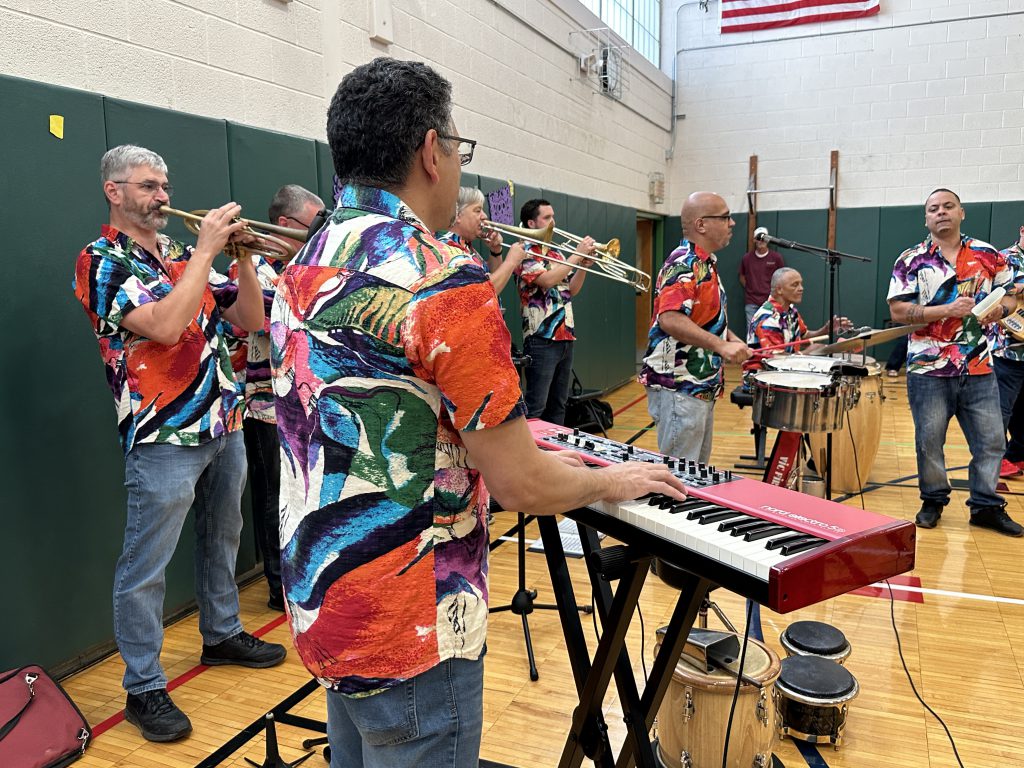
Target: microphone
point(761, 233)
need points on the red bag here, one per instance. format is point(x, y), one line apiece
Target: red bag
point(40, 726)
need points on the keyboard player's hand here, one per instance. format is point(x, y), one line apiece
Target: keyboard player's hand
point(633, 479)
point(571, 458)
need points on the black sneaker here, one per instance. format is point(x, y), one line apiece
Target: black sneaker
point(157, 716)
point(929, 516)
point(276, 601)
point(244, 650)
point(996, 519)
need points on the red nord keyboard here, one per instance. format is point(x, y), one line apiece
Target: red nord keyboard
point(784, 549)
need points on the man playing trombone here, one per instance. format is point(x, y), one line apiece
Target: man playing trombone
point(158, 310)
point(546, 290)
point(469, 226)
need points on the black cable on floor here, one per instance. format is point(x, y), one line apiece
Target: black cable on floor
point(903, 661)
point(739, 682)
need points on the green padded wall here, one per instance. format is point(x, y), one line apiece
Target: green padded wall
point(260, 162)
point(325, 174)
point(63, 509)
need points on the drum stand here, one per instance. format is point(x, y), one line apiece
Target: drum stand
point(702, 614)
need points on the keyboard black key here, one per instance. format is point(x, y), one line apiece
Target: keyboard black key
point(793, 538)
point(792, 549)
point(764, 533)
point(714, 517)
point(697, 512)
point(729, 525)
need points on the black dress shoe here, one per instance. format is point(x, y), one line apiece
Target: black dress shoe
point(996, 519)
point(157, 716)
point(276, 601)
point(929, 516)
point(244, 650)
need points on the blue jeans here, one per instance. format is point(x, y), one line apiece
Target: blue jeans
point(934, 400)
point(750, 310)
point(548, 378)
point(433, 720)
point(685, 424)
point(263, 452)
point(1010, 377)
point(163, 482)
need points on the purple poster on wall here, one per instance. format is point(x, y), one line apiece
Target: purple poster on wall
point(499, 203)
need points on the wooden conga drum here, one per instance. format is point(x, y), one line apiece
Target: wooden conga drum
point(855, 444)
point(695, 712)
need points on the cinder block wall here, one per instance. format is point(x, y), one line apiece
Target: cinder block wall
point(272, 64)
point(927, 93)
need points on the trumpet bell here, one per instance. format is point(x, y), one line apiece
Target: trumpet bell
point(264, 239)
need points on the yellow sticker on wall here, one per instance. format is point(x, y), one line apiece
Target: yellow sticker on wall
point(57, 126)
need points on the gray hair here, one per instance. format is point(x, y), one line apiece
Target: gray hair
point(468, 196)
point(121, 161)
point(291, 199)
point(778, 276)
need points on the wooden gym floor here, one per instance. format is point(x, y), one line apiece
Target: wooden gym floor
point(962, 634)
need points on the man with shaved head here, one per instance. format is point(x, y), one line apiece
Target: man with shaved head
point(689, 337)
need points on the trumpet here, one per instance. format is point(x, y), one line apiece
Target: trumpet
point(605, 257)
point(268, 242)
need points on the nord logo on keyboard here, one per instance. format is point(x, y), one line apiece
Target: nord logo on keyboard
point(803, 519)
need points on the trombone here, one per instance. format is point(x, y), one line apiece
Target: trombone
point(268, 243)
point(605, 257)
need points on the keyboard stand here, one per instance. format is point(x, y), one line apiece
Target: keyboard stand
point(588, 735)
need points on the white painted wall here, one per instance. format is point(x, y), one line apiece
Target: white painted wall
point(928, 93)
point(273, 64)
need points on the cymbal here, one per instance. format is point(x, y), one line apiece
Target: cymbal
point(868, 339)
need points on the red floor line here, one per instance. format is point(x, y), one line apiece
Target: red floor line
point(629, 405)
point(181, 679)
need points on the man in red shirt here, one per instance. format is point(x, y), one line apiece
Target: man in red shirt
point(756, 270)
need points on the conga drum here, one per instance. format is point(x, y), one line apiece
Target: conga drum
point(695, 711)
point(855, 443)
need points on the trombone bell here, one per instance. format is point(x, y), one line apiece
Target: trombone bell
point(605, 257)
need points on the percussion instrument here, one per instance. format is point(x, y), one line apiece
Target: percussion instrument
point(855, 443)
point(815, 638)
point(693, 715)
point(870, 338)
point(812, 697)
point(795, 401)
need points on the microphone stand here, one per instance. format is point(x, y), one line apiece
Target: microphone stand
point(833, 258)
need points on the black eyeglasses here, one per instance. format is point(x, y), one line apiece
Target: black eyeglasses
point(303, 224)
point(150, 187)
point(723, 216)
point(466, 147)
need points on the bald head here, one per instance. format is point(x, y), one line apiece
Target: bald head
point(707, 221)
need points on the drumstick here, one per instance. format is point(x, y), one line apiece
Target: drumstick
point(798, 342)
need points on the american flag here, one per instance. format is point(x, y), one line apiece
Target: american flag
point(747, 15)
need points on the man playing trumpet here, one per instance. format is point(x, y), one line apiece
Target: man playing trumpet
point(158, 308)
point(546, 290)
